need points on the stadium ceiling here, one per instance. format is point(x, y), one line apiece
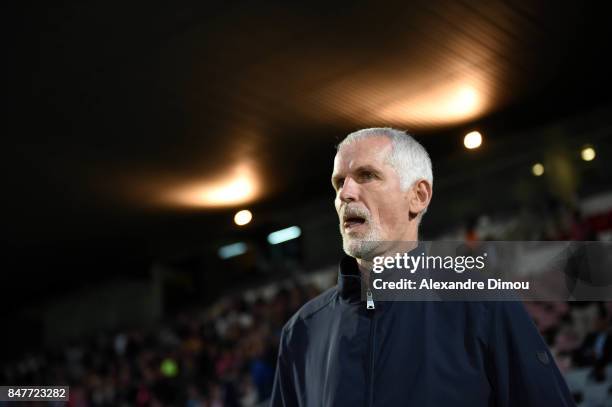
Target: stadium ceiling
point(124, 112)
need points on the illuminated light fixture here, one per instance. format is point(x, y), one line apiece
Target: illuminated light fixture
point(439, 105)
point(232, 250)
point(239, 187)
point(587, 153)
point(472, 140)
point(243, 217)
point(537, 169)
point(283, 235)
point(463, 103)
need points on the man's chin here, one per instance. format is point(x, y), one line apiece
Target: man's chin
point(360, 249)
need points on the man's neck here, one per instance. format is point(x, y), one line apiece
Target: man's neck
point(365, 266)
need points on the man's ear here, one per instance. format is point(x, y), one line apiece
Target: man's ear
point(419, 198)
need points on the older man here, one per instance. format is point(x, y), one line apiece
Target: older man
point(339, 350)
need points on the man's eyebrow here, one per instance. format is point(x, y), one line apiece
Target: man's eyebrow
point(362, 168)
point(367, 167)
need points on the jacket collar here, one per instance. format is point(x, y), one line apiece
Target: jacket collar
point(349, 280)
point(349, 277)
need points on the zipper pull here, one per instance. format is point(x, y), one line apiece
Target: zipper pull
point(370, 300)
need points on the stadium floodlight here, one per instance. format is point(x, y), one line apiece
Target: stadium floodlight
point(588, 153)
point(537, 169)
point(283, 235)
point(243, 217)
point(472, 140)
point(232, 250)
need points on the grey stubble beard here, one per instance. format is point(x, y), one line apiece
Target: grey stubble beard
point(364, 248)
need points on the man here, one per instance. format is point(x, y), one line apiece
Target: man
point(336, 352)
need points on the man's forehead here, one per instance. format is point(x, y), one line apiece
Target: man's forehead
point(366, 151)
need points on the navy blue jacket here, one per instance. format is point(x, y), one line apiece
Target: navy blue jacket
point(335, 352)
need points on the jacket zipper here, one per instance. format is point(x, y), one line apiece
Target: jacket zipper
point(370, 300)
point(372, 349)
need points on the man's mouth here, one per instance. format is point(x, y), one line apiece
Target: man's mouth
point(352, 222)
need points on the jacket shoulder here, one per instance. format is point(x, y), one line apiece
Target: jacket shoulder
point(311, 308)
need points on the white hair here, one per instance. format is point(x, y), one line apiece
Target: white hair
point(408, 157)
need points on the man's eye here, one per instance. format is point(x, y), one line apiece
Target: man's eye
point(367, 175)
point(339, 182)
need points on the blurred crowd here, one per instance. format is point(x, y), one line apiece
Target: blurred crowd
point(225, 355)
point(578, 333)
point(222, 356)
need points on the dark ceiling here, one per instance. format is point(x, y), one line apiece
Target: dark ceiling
point(114, 106)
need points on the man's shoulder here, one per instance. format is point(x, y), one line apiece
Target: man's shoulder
point(483, 316)
point(495, 312)
point(312, 308)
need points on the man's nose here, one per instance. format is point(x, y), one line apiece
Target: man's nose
point(349, 191)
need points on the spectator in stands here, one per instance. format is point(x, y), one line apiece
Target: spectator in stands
point(596, 349)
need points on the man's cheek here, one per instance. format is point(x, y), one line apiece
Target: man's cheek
point(337, 205)
point(387, 225)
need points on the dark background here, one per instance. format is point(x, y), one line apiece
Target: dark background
point(112, 105)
